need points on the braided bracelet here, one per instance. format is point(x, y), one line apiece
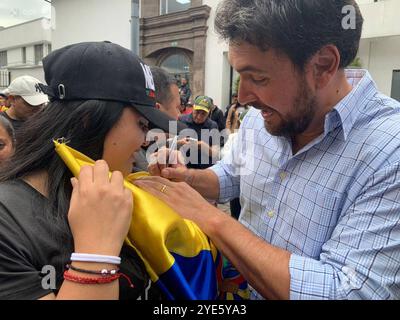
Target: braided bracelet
point(85, 280)
point(103, 272)
point(107, 275)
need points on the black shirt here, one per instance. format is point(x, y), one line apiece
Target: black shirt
point(185, 92)
point(218, 116)
point(207, 125)
point(17, 124)
point(28, 245)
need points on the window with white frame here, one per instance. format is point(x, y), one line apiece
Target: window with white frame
point(3, 59)
point(169, 6)
point(23, 55)
point(38, 53)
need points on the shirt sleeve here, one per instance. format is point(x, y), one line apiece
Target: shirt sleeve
point(19, 278)
point(228, 172)
point(361, 260)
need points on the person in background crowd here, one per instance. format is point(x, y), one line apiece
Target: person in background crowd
point(199, 121)
point(185, 91)
point(4, 103)
point(217, 115)
point(186, 108)
point(234, 101)
point(43, 218)
point(167, 101)
point(7, 139)
point(233, 118)
point(167, 92)
point(25, 99)
point(316, 163)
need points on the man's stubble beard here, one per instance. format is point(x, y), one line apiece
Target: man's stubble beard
point(303, 112)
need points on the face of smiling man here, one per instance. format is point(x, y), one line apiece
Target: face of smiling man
point(270, 82)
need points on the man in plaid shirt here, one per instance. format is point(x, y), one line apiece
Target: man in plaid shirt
point(316, 163)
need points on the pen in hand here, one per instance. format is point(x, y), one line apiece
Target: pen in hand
point(171, 153)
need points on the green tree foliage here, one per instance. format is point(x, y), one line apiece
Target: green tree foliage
point(356, 63)
point(236, 83)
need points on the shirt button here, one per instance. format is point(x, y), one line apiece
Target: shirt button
point(283, 175)
point(271, 213)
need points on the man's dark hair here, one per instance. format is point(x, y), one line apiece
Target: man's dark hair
point(162, 81)
point(298, 28)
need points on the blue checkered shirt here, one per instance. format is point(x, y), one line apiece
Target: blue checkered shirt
point(335, 205)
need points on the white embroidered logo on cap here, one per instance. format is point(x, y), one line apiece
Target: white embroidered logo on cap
point(38, 88)
point(148, 76)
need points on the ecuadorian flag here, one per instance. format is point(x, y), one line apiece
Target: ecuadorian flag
point(178, 256)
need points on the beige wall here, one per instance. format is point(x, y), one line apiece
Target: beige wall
point(36, 72)
point(381, 56)
point(381, 18)
point(24, 34)
point(217, 74)
point(92, 20)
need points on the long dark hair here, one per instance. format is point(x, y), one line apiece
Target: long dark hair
point(84, 125)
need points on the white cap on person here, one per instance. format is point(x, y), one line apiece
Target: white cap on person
point(28, 88)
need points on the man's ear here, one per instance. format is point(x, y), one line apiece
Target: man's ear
point(11, 100)
point(325, 64)
point(158, 105)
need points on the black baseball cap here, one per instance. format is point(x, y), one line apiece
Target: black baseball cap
point(104, 71)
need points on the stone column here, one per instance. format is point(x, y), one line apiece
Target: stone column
point(150, 8)
point(198, 71)
point(177, 32)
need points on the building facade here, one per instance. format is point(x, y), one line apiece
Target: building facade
point(91, 20)
point(179, 36)
point(380, 44)
point(173, 35)
point(22, 48)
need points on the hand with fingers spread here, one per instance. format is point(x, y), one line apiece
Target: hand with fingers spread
point(100, 210)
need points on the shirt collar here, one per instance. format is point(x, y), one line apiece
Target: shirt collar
point(350, 108)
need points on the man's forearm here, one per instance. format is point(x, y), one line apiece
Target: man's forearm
point(264, 266)
point(205, 182)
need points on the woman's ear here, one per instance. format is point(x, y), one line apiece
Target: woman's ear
point(325, 64)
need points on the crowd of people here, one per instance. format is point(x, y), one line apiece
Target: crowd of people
point(309, 158)
point(100, 126)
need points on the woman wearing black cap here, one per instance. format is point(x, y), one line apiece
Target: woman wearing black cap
point(102, 104)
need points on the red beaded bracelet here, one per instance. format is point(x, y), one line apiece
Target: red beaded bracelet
point(87, 280)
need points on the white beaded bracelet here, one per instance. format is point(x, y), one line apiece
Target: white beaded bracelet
point(87, 257)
